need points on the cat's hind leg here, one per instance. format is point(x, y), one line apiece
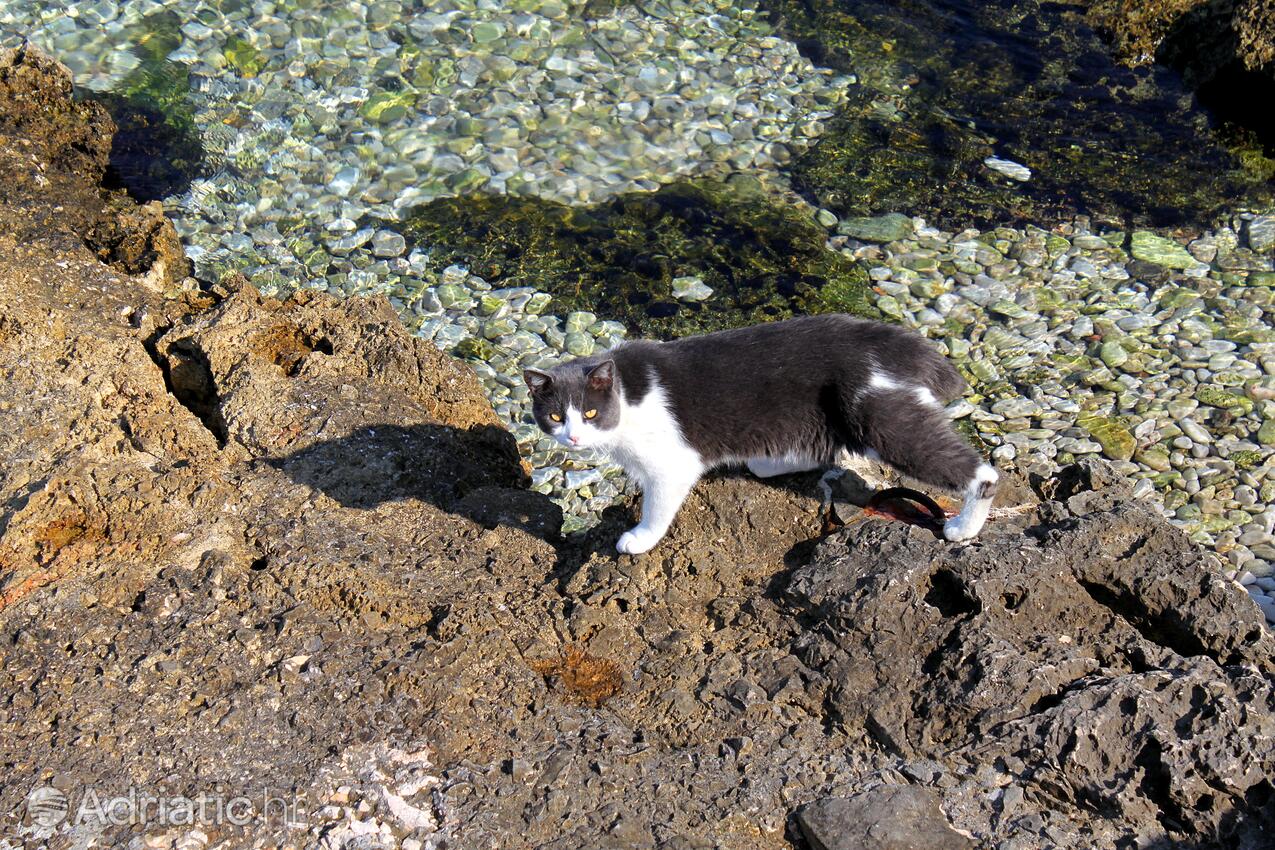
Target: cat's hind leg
point(919, 441)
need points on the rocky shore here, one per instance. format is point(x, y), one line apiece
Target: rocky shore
point(1152, 349)
point(283, 549)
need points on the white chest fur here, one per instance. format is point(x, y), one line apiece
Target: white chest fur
point(648, 442)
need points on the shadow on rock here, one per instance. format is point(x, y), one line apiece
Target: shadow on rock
point(463, 471)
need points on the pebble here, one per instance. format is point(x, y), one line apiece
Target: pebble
point(1011, 169)
point(1151, 248)
point(690, 289)
point(1261, 233)
point(1195, 431)
point(344, 181)
point(387, 243)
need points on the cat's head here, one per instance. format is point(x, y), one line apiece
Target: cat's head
point(576, 403)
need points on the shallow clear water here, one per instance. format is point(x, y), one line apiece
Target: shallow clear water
point(323, 116)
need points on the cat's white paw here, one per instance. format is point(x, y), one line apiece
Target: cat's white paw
point(637, 540)
point(956, 531)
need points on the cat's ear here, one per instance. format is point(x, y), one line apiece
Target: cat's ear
point(602, 376)
point(537, 381)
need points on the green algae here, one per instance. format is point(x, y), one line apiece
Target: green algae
point(1150, 248)
point(1245, 459)
point(1117, 442)
point(387, 106)
point(1238, 404)
point(939, 91)
point(245, 59)
point(763, 259)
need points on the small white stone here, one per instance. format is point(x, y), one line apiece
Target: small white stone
point(1012, 170)
point(690, 288)
point(387, 243)
point(344, 181)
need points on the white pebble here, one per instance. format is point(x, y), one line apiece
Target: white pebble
point(1012, 170)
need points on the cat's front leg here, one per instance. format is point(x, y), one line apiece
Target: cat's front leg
point(662, 496)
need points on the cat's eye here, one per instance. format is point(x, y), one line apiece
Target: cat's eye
point(589, 414)
point(555, 417)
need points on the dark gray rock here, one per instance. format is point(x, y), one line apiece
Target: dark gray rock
point(892, 817)
point(1097, 659)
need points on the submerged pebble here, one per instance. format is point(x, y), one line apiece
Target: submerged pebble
point(1012, 170)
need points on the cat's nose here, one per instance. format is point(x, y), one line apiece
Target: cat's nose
point(575, 441)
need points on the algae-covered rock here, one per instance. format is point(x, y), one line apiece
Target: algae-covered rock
point(637, 257)
point(1218, 397)
point(1151, 248)
point(36, 101)
point(1245, 459)
point(883, 228)
point(1266, 434)
point(243, 57)
point(1199, 35)
point(1113, 354)
point(1255, 23)
point(1224, 51)
point(1117, 442)
point(384, 107)
point(1137, 28)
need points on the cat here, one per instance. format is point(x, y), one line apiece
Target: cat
point(781, 397)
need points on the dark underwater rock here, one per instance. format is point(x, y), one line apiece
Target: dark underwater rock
point(942, 87)
point(763, 259)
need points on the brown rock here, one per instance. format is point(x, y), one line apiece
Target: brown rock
point(1200, 37)
point(36, 104)
point(54, 151)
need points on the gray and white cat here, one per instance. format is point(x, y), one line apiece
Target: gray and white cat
point(781, 397)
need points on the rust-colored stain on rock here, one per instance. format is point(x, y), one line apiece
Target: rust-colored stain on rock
point(582, 677)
